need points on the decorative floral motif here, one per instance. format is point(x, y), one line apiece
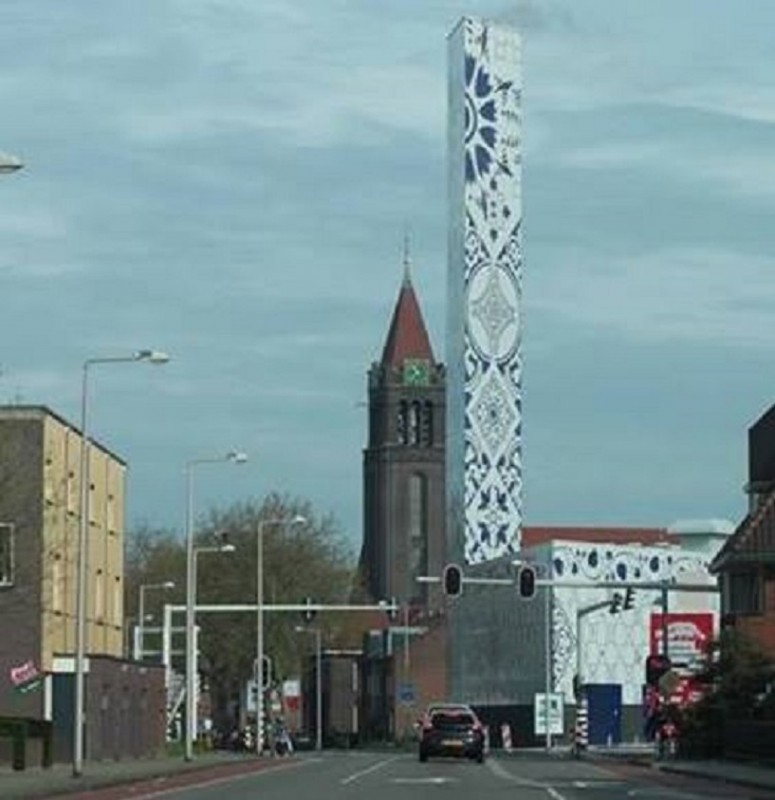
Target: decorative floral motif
point(614, 645)
point(493, 311)
point(494, 415)
point(486, 275)
point(480, 120)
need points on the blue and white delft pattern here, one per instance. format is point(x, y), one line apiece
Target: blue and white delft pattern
point(615, 645)
point(489, 267)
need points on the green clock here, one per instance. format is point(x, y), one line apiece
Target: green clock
point(417, 372)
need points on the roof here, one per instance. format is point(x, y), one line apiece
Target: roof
point(407, 336)
point(533, 535)
point(752, 541)
point(40, 412)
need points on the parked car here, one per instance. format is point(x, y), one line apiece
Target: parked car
point(451, 730)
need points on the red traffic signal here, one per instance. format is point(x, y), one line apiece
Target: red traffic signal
point(527, 582)
point(452, 580)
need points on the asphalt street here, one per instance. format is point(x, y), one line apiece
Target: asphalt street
point(385, 776)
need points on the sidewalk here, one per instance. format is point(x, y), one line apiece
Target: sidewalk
point(37, 782)
point(742, 773)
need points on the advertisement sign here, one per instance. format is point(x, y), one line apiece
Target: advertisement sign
point(689, 635)
point(26, 677)
point(292, 695)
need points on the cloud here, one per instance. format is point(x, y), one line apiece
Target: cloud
point(679, 295)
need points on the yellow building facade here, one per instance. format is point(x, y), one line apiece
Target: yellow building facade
point(40, 500)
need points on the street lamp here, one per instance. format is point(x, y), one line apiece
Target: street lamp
point(141, 612)
point(221, 548)
point(234, 457)
point(152, 357)
point(297, 520)
point(318, 683)
point(9, 163)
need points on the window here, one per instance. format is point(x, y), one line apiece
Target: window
point(414, 423)
point(99, 595)
point(402, 422)
point(6, 555)
point(427, 425)
point(117, 598)
point(110, 513)
point(56, 583)
point(72, 493)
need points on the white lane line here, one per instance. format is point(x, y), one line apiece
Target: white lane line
point(499, 770)
point(368, 770)
point(218, 781)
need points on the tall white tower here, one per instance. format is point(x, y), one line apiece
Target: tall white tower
point(484, 399)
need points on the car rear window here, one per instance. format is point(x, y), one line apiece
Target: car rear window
point(446, 719)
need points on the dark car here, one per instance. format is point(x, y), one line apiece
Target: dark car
point(451, 731)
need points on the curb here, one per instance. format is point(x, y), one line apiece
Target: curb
point(736, 781)
point(171, 772)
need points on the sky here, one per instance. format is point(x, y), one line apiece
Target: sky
point(230, 181)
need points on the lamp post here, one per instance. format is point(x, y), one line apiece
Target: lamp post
point(197, 551)
point(141, 612)
point(235, 457)
point(9, 163)
point(297, 520)
point(318, 683)
point(152, 357)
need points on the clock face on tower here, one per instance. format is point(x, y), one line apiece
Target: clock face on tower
point(417, 372)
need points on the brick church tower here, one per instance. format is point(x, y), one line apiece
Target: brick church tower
point(403, 462)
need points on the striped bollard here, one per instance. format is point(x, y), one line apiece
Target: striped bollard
point(581, 734)
point(506, 737)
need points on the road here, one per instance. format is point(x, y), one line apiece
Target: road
point(381, 776)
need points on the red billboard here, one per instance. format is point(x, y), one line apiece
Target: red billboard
point(689, 635)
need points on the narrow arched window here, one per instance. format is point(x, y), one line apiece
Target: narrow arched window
point(427, 424)
point(414, 423)
point(402, 422)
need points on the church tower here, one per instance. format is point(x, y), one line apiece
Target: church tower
point(403, 462)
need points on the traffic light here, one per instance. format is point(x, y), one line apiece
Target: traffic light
point(527, 582)
point(266, 672)
point(622, 602)
point(656, 667)
point(308, 613)
point(452, 580)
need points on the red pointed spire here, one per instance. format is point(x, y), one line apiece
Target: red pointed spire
point(408, 336)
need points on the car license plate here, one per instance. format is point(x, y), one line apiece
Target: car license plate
point(451, 743)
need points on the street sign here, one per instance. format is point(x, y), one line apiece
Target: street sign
point(556, 714)
point(407, 693)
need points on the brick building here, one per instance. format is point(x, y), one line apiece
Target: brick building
point(746, 564)
point(39, 528)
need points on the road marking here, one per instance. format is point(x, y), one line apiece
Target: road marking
point(372, 768)
point(438, 780)
point(502, 772)
point(217, 781)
